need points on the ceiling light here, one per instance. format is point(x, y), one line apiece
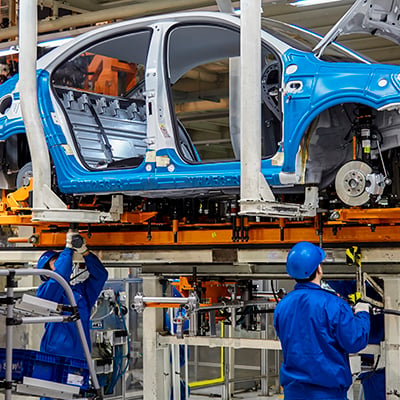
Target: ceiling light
point(303, 3)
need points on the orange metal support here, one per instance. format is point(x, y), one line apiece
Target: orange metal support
point(137, 217)
point(212, 291)
point(369, 215)
point(17, 201)
point(353, 224)
point(259, 234)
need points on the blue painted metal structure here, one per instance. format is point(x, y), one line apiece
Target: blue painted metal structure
point(323, 85)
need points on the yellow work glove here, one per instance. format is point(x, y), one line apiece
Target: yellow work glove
point(354, 297)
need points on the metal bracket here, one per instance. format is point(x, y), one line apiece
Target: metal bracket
point(268, 208)
point(55, 210)
point(37, 305)
point(376, 287)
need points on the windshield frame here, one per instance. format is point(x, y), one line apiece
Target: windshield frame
point(304, 40)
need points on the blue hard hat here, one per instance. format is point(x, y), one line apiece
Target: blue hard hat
point(303, 259)
point(44, 259)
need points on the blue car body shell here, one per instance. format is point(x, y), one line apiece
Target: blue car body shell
point(323, 85)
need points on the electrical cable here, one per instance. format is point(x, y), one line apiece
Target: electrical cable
point(119, 368)
point(128, 354)
point(78, 274)
point(273, 291)
point(102, 317)
point(247, 310)
point(372, 372)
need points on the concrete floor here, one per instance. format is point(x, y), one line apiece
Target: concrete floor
point(246, 396)
point(194, 396)
point(197, 395)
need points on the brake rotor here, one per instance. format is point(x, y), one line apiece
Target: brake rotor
point(351, 183)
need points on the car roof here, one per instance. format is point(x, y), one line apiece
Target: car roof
point(137, 23)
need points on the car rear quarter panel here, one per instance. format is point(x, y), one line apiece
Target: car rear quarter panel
point(326, 85)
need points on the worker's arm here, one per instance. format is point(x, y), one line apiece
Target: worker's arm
point(98, 276)
point(352, 330)
point(51, 289)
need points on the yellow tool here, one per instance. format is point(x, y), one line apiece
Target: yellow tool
point(354, 257)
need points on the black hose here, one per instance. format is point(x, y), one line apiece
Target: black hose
point(372, 372)
point(78, 274)
point(273, 291)
point(392, 312)
point(377, 310)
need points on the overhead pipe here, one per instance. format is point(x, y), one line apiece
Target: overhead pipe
point(88, 18)
point(11, 274)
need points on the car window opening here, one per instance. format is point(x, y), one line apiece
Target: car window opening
point(205, 83)
point(101, 93)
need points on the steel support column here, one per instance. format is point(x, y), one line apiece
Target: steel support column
point(392, 337)
point(155, 371)
point(252, 182)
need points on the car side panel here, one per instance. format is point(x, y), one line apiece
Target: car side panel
point(329, 84)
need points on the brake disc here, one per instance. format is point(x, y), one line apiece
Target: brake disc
point(351, 183)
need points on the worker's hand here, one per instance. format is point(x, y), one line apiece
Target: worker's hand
point(68, 240)
point(79, 244)
point(361, 307)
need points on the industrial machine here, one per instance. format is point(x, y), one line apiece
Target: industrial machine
point(128, 159)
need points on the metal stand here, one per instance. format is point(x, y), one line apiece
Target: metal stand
point(392, 339)
point(155, 380)
point(11, 321)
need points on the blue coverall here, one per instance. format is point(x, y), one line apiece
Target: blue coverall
point(373, 382)
point(63, 338)
point(318, 330)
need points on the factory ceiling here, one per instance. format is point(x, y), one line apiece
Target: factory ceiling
point(319, 18)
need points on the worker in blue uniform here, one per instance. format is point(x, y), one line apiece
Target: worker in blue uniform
point(373, 381)
point(317, 330)
point(62, 338)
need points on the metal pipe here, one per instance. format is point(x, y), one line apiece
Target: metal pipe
point(12, 12)
point(235, 304)
point(186, 358)
point(264, 367)
point(44, 320)
point(71, 299)
point(9, 339)
point(167, 300)
point(167, 381)
point(174, 360)
point(132, 11)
